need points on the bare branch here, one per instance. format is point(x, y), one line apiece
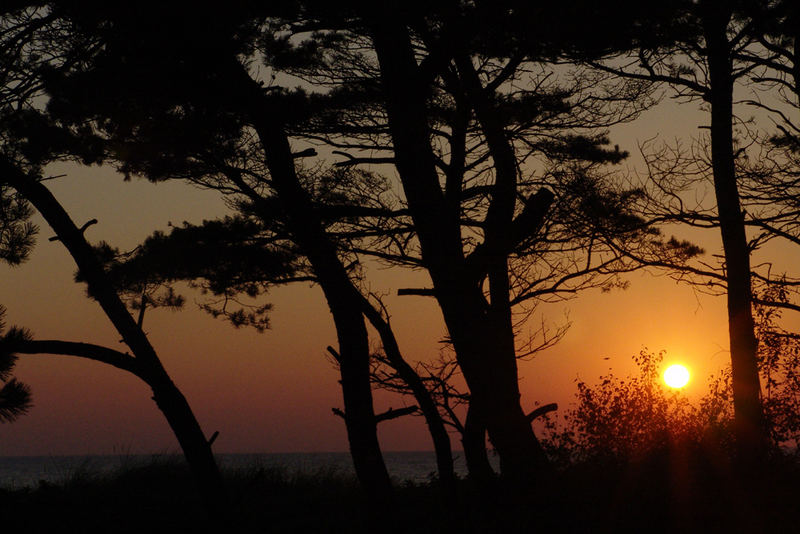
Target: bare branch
point(422, 291)
point(391, 413)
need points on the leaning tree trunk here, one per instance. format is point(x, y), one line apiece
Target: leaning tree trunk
point(344, 302)
point(748, 417)
point(343, 299)
point(169, 399)
point(438, 432)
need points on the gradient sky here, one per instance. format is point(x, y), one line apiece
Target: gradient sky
point(273, 392)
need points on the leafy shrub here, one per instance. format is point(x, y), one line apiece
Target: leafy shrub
point(633, 417)
point(779, 365)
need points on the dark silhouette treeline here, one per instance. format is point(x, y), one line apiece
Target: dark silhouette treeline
point(465, 140)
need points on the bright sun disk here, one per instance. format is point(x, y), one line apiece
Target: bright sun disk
point(676, 376)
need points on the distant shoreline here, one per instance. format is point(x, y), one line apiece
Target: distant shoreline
point(28, 471)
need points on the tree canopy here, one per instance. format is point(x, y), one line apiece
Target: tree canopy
point(470, 141)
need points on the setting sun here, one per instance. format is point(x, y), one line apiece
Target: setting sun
point(676, 376)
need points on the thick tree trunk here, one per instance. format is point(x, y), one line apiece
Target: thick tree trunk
point(474, 442)
point(748, 417)
point(169, 399)
point(495, 401)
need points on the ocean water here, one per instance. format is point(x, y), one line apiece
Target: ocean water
point(28, 471)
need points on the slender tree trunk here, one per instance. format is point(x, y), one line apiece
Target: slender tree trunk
point(748, 417)
point(344, 302)
point(343, 299)
point(169, 399)
point(359, 415)
point(438, 432)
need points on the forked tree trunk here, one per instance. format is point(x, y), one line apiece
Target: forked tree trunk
point(483, 344)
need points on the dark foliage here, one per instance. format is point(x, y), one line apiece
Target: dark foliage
point(15, 396)
point(619, 420)
point(779, 364)
point(678, 491)
point(227, 258)
point(17, 233)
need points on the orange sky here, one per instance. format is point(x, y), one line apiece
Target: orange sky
point(273, 392)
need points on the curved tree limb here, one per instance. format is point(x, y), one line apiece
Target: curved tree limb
point(541, 410)
point(112, 357)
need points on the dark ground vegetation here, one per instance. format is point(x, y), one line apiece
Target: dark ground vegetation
point(680, 488)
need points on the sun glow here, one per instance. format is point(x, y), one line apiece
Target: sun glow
point(676, 376)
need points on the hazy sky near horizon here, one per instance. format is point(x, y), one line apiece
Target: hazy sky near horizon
point(273, 392)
